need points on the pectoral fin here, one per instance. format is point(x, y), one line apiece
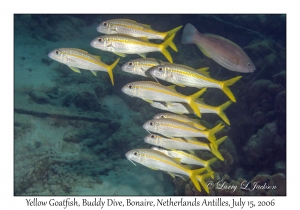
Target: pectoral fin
point(75, 69)
point(94, 72)
point(143, 55)
point(149, 101)
point(120, 54)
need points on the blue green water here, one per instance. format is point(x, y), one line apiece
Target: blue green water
point(71, 131)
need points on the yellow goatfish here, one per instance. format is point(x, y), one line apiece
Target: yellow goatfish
point(153, 91)
point(180, 108)
point(174, 128)
point(187, 158)
point(158, 161)
point(184, 144)
point(134, 29)
point(221, 50)
point(76, 58)
point(181, 118)
point(123, 44)
point(141, 65)
point(182, 75)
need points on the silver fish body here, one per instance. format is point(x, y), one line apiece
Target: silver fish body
point(186, 76)
point(123, 44)
point(179, 108)
point(159, 161)
point(77, 58)
point(183, 156)
point(153, 91)
point(173, 128)
point(129, 27)
point(175, 143)
point(184, 144)
point(156, 160)
point(181, 118)
point(141, 65)
point(183, 75)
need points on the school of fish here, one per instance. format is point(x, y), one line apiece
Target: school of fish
point(175, 136)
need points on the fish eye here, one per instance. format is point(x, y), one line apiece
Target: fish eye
point(152, 136)
point(130, 86)
point(160, 68)
point(248, 64)
point(100, 39)
point(151, 123)
point(56, 52)
point(130, 64)
point(135, 153)
point(162, 116)
point(105, 23)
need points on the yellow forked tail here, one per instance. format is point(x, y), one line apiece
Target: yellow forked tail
point(228, 83)
point(215, 151)
point(220, 110)
point(110, 71)
point(193, 177)
point(202, 178)
point(193, 104)
point(163, 47)
point(171, 32)
point(211, 134)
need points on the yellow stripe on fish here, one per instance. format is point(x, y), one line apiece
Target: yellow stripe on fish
point(187, 158)
point(123, 44)
point(159, 161)
point(135, 29)
point(184, 144)
point(153, 91)
point(181, 118)
point(186, 76)
point(77, 58)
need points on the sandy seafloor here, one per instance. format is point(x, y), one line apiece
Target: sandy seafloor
point(71, 131)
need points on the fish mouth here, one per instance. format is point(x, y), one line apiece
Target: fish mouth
point(128, 158)
point(126, 68)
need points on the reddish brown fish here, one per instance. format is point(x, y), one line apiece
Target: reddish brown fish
point(223, 51)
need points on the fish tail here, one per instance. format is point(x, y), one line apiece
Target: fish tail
point(211, 134)
point(220, 110)
point(110, 71)
point(193, 104)
point(169, 33)
point(202, 178)
point(228, 83)
point(208, 163)
point(188, 34)
point(164, 45)
point(215, 151)
point(193, 177)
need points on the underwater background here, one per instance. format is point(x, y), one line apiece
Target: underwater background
point(71, 131)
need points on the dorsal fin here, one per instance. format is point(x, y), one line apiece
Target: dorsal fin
point(204, 71)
